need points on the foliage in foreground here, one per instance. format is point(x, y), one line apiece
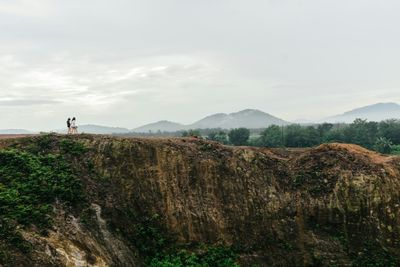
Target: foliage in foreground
point(29, 185)
point(158, 246)
point(205, 257)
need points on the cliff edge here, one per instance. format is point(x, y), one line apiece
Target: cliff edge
point(141, 202)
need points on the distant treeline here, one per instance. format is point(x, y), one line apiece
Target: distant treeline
point(381, 136)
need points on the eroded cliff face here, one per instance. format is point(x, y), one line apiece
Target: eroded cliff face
point(334, 205)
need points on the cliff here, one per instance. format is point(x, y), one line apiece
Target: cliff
point(147, 201)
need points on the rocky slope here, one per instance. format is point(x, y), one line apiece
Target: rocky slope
point(334, 205)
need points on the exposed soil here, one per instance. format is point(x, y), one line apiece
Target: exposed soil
point(333, 205)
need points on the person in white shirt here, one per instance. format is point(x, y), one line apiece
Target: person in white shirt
point(74, 128)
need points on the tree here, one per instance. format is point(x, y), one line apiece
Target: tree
point(334, 136)
point(219, 136)
point(298, 136)
point(383, 145)
point(271, 137)
point(190, 133)
point(239, 136)
point(390, 129)
point(362, 133)
point(323, 130)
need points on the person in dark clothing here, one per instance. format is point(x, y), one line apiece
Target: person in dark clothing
point(69, 125)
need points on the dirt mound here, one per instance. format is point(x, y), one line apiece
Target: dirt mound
point(358, 151)
point(319, 169)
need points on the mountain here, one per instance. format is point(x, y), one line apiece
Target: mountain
point(163, 126)
point(248, 118)
point(98, 129)
point(15, 131)
point(376, 112)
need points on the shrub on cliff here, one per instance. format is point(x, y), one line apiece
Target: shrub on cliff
point(206, 257)
point(29, 185)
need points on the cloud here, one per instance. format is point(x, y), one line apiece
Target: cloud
point(129, 62)
point(26, 102)
point(96, 87)
point(37, 8)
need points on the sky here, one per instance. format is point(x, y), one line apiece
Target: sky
point(131, 62)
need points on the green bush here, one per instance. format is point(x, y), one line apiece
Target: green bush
point(72, 147)
point(158, 246)
point(206, 257)
point(29, 185)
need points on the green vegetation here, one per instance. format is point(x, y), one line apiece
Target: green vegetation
point(190, 133)
point(239, 136)
point(383, 145)
point(395, 149)
point(143, 231)
point(157, 246)
point(383, 137)
point(203, 257)
point(271, 137)
point(72, 147)
point(29, 185)
point(218, 136)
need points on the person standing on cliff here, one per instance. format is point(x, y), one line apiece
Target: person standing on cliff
point(69, 125)
point(74, 128)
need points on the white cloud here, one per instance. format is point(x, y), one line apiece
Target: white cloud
point(31, 8)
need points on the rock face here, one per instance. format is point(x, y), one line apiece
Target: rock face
point(334, 205)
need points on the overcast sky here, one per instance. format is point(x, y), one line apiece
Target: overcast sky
point(127, 63)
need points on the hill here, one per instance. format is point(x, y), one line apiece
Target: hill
point(376, 112)
point(151, 202)
point(249, 118)
point(163, 126)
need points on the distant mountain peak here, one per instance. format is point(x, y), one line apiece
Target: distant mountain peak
point(217, 115)
point(248, 112)
point(374, 108)
point(163, 126)
point(374, 112)
point(249, 118)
